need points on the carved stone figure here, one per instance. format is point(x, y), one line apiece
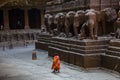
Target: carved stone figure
point(60, 18)
point(118, 28)
point(109, 16)
point(69, 21)
point(55, 29)
point(91, 25)
point(79, 19)
point(119, 13)
point(46, 22)
point(49, 21)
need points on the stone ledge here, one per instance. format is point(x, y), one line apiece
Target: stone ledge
point(111, 62)
point(82, 60)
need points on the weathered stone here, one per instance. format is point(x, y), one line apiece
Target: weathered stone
point(111, 62)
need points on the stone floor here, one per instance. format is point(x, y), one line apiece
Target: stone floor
point(17, 64)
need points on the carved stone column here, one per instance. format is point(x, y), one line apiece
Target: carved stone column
point(26, 19)
point(42, 18)
point(6, 19)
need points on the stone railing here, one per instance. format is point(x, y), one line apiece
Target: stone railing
point(18, 37)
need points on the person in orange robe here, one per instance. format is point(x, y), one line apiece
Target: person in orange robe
point(56, 63)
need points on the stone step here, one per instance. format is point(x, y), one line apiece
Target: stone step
point(80, 42)
point(45, 35)
point(94, 51)
point(113, 53)
point(111, 62)
point(79, 50)
point(115, 43)
point(79, 46)
point(59, 46)
point(82, 60)
point(44, 40)
point(114, 48)
point(41, 45)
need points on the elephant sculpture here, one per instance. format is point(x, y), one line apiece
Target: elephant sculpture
point(61, 22)
point(119, 13)
point(118, 28)
point(49, 21)
point(69, 21)
point(79, 19)
point(91, 24)
point(108, 16)
point(46, 22)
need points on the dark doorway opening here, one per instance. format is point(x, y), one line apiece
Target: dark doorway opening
point(34, 18)
point(16, 18)
point(1, 20)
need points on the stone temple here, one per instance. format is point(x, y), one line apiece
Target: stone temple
point(84, 33)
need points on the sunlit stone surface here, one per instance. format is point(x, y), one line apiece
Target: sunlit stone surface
point(17, 64)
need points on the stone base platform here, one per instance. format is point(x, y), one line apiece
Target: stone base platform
point(83, 53)
point(111, 60)
point(43, 42)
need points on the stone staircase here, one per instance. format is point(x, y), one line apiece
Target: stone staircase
point(86, 53)
point(43, 42)
point(111, 60)
point(83, 53)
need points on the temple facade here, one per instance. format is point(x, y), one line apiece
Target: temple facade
point(85, 33)
point(18, 16)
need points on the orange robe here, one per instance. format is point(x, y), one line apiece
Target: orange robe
point(56, 63)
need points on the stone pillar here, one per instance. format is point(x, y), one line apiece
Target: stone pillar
point(42, 19)
point(26, 19)
point(6, 19)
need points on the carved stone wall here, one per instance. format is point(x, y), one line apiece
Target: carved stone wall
point(83, 4)
point(95, 4)
point(109, 3)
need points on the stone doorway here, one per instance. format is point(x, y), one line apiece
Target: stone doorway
point(16, 18)
point(34, 18)
point(1, 20)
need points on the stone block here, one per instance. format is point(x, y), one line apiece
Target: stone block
point(79, 60)
point(92, 61)
point(71, 58)
point(113, 53)
point(111, 62)
point(41, 45)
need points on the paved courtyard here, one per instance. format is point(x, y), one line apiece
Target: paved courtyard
point(17, 64)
